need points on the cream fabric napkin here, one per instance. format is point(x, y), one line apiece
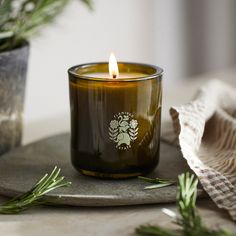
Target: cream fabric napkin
point(206, 129)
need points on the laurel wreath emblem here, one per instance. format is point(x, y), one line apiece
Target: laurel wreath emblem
point(123, 130)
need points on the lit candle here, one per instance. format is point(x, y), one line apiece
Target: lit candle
point(114, 72)
point(115, 118)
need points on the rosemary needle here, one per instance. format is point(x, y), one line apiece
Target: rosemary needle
point(158, 183)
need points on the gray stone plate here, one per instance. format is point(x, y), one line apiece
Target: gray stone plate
point(22, 167)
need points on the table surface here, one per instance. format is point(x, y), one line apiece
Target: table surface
point(113, 221)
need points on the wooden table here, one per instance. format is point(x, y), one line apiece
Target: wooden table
point(113, 221)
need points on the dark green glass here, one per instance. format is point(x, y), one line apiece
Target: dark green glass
point(115, 123)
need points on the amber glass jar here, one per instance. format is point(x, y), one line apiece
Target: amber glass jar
point(115, 123)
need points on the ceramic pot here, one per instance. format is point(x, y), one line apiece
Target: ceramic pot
point(13, 70)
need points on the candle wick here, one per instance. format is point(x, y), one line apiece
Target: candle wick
point(114, 76)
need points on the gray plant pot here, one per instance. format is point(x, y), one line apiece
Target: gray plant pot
point(13, 69)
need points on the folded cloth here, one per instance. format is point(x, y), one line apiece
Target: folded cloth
point(206, 129)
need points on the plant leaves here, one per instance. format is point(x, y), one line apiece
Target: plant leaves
point(35, 195)
point(189, 220)
point(23, 21)
point(157, 182)
point(160, 185)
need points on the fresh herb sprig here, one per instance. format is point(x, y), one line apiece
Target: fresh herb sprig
point(34, 196)
point(157, 182)
point(189, 219)
point(19, 19)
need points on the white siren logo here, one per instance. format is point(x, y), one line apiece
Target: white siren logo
point(123, 130)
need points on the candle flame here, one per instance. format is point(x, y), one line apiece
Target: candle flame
point(113, 66)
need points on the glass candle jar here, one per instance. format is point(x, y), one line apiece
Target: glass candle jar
point(115, 122)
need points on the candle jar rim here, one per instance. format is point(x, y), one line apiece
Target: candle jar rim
point(157, 72)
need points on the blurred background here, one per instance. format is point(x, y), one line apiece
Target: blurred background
point(184, 37)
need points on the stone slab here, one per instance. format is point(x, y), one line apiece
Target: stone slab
point(22, 167)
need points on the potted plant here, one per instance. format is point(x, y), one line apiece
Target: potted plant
point(19, 19)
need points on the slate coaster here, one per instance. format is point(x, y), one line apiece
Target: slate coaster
point(22, 167)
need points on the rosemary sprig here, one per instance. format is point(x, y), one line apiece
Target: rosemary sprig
point(34, 196)
point(189, 219)
point(19, 20)
point(158, 183)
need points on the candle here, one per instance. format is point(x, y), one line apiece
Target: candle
point(115, 118)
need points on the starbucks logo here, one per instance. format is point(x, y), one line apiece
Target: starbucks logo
point(123, 130)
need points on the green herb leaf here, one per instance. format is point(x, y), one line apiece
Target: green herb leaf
point(189, 219)
point(35, 196)
point(158, 183)
point(155, 186)
point(21, 19)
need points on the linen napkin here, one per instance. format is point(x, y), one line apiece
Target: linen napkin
point(206, 130)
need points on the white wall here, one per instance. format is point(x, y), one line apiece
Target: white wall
point(169, 39)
